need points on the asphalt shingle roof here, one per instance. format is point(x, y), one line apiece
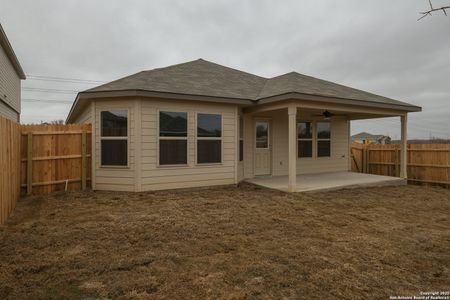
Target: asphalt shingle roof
point(298, 83)
point(366, 135)
point(204, 78)
point(199, 77)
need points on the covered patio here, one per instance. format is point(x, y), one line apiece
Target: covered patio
point(326, 163)
point(326, 181)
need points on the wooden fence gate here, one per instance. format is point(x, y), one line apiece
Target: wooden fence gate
point(55, 157)
point(427, 163)
point(9, 167)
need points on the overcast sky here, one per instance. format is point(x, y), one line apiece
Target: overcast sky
point(378, 46)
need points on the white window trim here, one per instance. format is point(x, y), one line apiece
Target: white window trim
point(172, 138)
point(127, 138)
point(269, 135)
point(197, 138)
point(317, 140)
point(304, 139)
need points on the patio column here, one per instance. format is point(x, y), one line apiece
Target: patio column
point(404, 147)
point(292, 137)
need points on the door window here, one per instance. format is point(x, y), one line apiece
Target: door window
point(262, 135)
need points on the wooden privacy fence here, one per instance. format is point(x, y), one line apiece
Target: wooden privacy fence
point(55, 157)
point(427, 163)
point(9, 167)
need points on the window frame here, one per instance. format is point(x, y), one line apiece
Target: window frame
point(197, 138)
point(321, 139)
point(313, 133)
point(178, 138)
point(127, 138)
point(269, 134)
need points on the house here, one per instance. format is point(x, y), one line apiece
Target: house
point(201, 124)
point(10, 75)
point(367, 138)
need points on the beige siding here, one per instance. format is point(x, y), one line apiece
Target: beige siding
point(156, 177)
point(9, 86)
point(85, 116)
point(8, 112)
point(115, 178)
point(338, 161)
point(248, 145)
point(143, 172)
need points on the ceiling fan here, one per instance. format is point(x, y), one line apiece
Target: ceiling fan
point(327, 115)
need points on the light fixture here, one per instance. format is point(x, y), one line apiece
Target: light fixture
point(327, 115)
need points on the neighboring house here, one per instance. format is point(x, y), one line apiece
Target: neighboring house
point(10, 75)
point(201, 124)
point(367, 138)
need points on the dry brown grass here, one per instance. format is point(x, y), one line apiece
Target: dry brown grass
point(228, 242)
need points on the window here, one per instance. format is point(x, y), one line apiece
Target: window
point(262, 135)
point(172, 138)
point(209, 138)
point(323, 139)
point(241, 139)
point(304, 139)
point(114, 138)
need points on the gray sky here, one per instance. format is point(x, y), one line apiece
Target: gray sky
point(377, 46)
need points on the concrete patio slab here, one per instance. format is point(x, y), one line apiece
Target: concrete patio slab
point(327, 181)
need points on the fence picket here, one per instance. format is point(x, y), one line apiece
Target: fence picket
point(59, 154)
point(9, 167)
point(427, 163)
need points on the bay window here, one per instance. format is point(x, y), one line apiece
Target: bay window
point(209, 138)
point(173, 135)
point(114, 137)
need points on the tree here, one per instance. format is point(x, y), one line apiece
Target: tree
point(57, 122)
point(433, 9)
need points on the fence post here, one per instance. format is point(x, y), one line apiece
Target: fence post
point(365, 159)
point(30, 163)
point(368, 160)
point(83, 160)
point(397, 162)
point(363, 165)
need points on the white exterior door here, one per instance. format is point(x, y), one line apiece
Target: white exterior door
point(263, 151)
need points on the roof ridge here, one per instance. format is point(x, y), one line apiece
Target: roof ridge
point(110, 82)
point(340, 85)
point(174, 65)
point(348, 87)
point(230, 68)
point(291, 90)
point(262, 88)
point(206, 61)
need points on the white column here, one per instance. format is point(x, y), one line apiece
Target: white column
point(292, 137)
point(404, 147)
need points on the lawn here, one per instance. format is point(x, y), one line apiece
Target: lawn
point(228, 242)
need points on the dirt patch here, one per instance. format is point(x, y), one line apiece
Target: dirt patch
point(228, 242)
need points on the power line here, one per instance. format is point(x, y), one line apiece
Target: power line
point(64, 79)
point(30, 89)
point(47, 101)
